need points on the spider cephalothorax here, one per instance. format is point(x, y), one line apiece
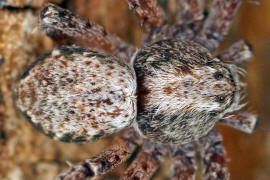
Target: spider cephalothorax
point(167, 96)
point(182, 90)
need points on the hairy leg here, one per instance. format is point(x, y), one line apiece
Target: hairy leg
point(218, 23)
point(241, 120)
point(184, 162)
point(146, 162)
point(148, 11)
point(213, 156)
point(238, 53)
point(62, 25)
point(187, 25)
point(151, 16)
point(106, 161)
point(189, 18)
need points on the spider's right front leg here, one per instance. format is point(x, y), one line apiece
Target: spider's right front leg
point(61, 25)
point(242, 120)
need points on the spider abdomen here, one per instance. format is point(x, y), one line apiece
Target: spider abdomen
point(78, 94)
point(178, 90)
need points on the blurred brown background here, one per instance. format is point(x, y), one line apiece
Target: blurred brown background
point(27, 154)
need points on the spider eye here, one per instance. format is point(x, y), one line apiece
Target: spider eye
point(221, 99)
point(218, 75)
point(213, 113)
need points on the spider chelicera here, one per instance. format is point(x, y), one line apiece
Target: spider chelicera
point(166, 97)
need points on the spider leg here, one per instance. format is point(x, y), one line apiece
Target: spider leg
point(241, 120)
point(237, 53)
point(189, 18)
point(62, 25)
point(106, 161)
point(146, 162)
point(213, 156)
point(151, 16)
point(184, 162)
point(148, 11)
point(218, 23)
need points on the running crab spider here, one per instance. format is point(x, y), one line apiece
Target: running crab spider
point(166, 97)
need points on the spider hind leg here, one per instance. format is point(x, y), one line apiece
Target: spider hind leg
point(61, 25)
point(106, 161)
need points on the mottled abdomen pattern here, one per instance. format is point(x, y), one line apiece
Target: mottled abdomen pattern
point(179, 90)
point(78, 94)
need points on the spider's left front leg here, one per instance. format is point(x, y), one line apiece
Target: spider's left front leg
point(238, 53)
point(213, 156)
point(218, 23)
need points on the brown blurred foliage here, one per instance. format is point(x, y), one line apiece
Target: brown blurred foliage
point(27, 154)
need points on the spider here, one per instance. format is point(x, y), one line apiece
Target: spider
point(165, 97)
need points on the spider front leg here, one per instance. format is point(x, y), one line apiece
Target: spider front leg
point(241, 120)
point(237, 53)
point(184, 162)
point(106, 161)
point(189, 18)
point(218, 23)
point(61, 25)
point(213, 156)
point(146, 162)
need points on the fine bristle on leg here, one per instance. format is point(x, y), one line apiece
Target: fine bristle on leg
point(241, 120)
point(213, 156)
point(61, 25)
point(148, 11)
point(238, 53)
point(218, 23)
point(146, 162)
point(184, 162)
point(189, 18)
point(106, 161)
